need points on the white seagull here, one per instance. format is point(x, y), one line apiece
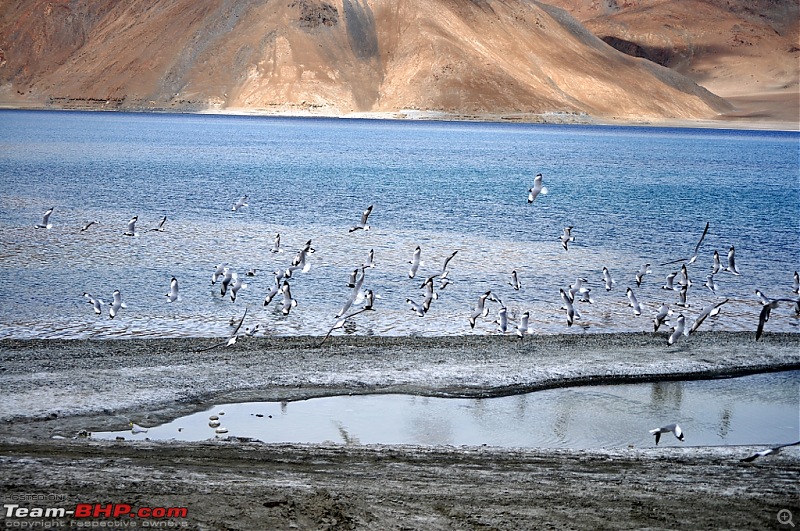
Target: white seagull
point(796, 284)
point(677, 330)
point(288, 301)
point(664, 311)
point(633, 302)
point(131, 230)
point(502, 320)
point(717, 265)
point(172, 296)
point(116, 304)
point(522, 326)
point(641, 273)
point(417, 308)
point(97, 304)
point(160, 226)
point(572, 313)
point(446, 263)
point(537, 189)
point(414, 263)
point(731, 268)
point(276, 246)
point(708, 311)
point(711, 284)
point(220, 269)
point(480, 310)
point(670, 281)
point(609, 282)
point(515, 280)
point(363, 223)
point(231, 338)
point(566, 237)
point(242, 202)
point(45, 224)
point(674, 428)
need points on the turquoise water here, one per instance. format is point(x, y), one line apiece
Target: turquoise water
point(758, 409)
point(634, 195)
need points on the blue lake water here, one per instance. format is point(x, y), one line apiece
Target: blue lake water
point(633, 194)
point(758, 409)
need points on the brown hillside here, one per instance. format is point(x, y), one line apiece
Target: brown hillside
point(747, 51)
point(495, 57)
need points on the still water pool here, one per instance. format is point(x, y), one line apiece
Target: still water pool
point(757, 409)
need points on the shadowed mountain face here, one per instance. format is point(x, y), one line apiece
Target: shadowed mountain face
point(337, 57)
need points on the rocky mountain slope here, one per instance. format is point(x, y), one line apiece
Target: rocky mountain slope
point(464, 57)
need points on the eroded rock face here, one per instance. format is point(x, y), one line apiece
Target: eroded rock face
point(315, 14)
point(339, 56)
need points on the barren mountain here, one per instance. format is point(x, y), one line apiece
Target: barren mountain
point(747, 51)
point(464, 57)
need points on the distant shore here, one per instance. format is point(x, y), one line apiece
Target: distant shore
point(751, 117)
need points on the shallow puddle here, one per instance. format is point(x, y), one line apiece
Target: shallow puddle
point(758, 409)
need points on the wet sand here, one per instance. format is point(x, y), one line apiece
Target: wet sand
point(53, 391)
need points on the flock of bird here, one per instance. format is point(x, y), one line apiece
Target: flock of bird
point(230, 283)
point(571, 297)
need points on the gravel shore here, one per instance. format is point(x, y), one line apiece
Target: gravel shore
point(52, 390)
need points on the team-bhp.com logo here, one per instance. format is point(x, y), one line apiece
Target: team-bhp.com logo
point(95, 510)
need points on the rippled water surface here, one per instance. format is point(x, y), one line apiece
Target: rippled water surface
point(633, 195)
point(759, 409)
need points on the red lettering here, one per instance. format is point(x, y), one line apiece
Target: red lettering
point(103, 510)
point(159, 512)
point(83, 510)
point(144, 512)
point(120, 509)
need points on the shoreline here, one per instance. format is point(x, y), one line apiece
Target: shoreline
point(723, 122)
point(53, 391)
point(99, 385)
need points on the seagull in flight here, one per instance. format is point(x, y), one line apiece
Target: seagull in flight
point(87, 225)
point(763, 317)
point(242, 202)
point(731, 267)
point(673, 428)
point(416, 307)
point(633, 302)
point(537, 189)
point(677, 330)
point(664, 311)
point(796, 284)
point(172, 296)
point(218, 272)
point(515, 280)
point(711, 284)
point(45, 224)
point(363, 223)
point(414, 263)
point(231, 338)
point(717, 265)
point(131, 230)
point(566, 237)
point(693, 258)
point(276, 246)
point(160, 226)
point(645, 269)
point(572, 313)
point(446, 263)
point(116, 304)
point(96, 303)
point(708, 311)
point(607, 280)
point(480, 310)
point(769, 451)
